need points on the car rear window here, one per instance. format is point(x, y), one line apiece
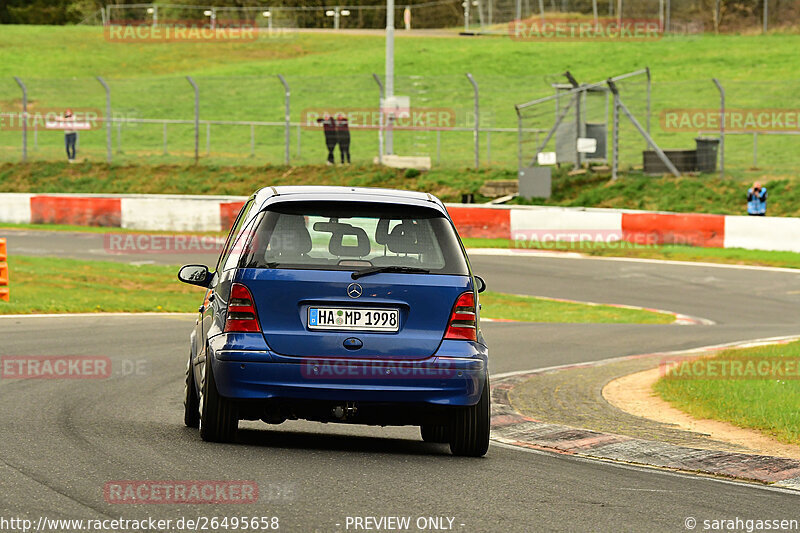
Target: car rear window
point(353, 236)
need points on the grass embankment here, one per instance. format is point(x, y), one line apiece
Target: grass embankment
point(769, 403)
point(238, 81)
point(728, 256)
point(689, 194)
point(55, 285)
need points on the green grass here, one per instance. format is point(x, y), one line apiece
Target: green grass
point(532, 309)
point(695, 195)
point(732, 256)
point(239, 81)
point(50, 285)
point(44, 177)
point(771, 406)
point(55, 285)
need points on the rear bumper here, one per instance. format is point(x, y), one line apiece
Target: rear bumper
point(440, 380)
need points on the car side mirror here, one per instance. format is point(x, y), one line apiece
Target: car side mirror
point(480, 285)
point(195, 275)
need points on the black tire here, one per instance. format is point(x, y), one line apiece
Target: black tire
point(191, 404)
point(469, 436)
point(434, 433)
point(218, 417)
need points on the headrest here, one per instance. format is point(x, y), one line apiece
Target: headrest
point(290, 235)
point(336, 246)
point(403, 239)
point(382, 231)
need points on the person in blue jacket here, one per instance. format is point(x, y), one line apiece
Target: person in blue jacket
point(757, 200)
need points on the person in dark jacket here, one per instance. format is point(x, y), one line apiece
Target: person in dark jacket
point(343, 137)
point(757, 200)
point(329, 127)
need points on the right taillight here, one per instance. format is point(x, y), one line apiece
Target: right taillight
point(241, 311)
point(461, 325)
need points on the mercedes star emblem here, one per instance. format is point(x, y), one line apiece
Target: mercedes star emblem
point(354, 290)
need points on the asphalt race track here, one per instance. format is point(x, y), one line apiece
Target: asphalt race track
point(63, 440)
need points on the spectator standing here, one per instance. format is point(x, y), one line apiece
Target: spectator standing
point(757, 200)
point(343, 137)
point(70, 134)
point(329, 127)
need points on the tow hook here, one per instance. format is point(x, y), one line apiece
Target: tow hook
point(342, 412)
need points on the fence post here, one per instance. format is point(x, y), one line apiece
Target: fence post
point(380, 115)
point(165, 137)
point(615, 145)
point(476, 133)
point(24, 118)
point(721, 127)
point(196, 119)
point(647, 70)
point(108, 117)
point(766, 11)
point(287, 117)
point(519, 141)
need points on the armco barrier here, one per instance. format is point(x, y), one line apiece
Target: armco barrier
point(674, 228)
point(4, 290)
point(217, 213)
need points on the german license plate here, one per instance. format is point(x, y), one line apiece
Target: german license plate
point(353, 319)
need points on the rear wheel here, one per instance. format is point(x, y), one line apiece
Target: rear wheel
point(470, 430)
point(218, 417)
point(191, 404)
point(434, 433)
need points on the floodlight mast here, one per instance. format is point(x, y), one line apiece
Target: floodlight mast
point(389, 81)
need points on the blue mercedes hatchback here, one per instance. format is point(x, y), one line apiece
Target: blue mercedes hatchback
point(344, 305)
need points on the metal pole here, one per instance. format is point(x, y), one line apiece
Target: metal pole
point(389, 90)
point(438, 146)
point(208, 138)
point(380, 115)
point(252, 140)
point(615, 150)
point(664, 159)
point(108, 117)
point(155, 14)
point(164, 135)
point(24, 118)
point(519, 9)
point(755, 149)
point(35, 136)
point(766, 12)
point(721, 127)
point(488, 148)
point(476, 132)
point(287, 117)
point(661, 13)
point(196, 119)
point(466, 14)
point(541, 10)
point(519, 142)
point(647, 69)
point(336, 18)
point(594, 13)
point(667, 16)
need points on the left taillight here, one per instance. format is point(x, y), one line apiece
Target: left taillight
point(462, 325)
point(241, 311)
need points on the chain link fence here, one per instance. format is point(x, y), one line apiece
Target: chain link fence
point(243, 120)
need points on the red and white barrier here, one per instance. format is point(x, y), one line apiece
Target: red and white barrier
point(523, 224)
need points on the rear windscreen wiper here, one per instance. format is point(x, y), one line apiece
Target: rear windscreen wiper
point(400, 269)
